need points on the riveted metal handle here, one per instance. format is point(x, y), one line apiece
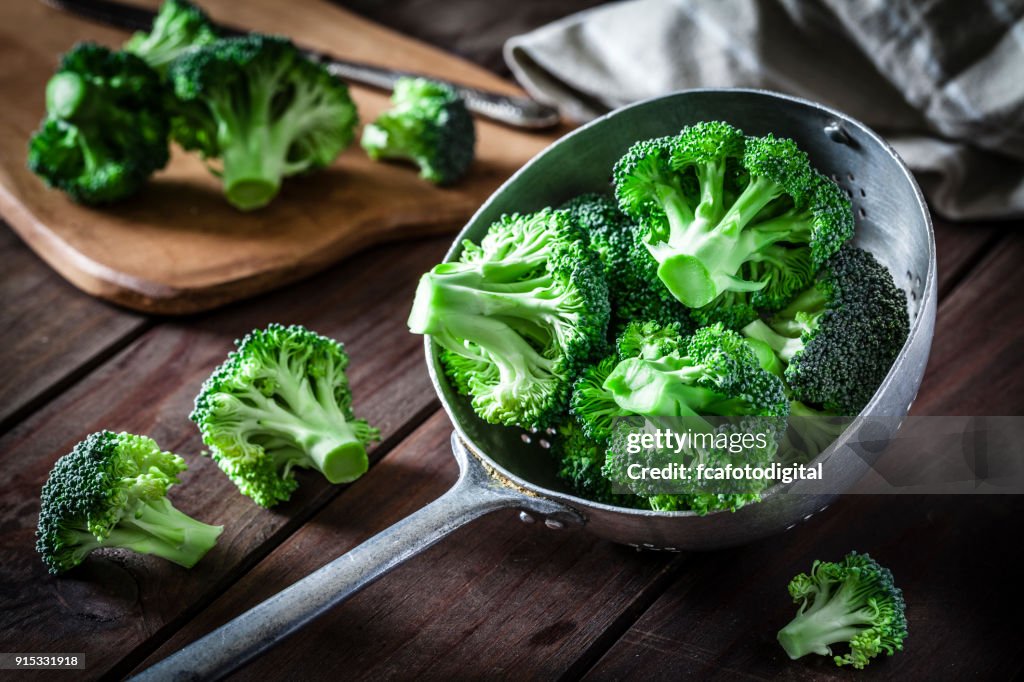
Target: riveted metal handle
point(475, 493)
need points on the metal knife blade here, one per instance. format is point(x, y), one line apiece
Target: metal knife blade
point(520, 112)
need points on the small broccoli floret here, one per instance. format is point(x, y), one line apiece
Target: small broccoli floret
point(839, 338)
point(105, 130)
point(708, 451)
point(851, 602)
point(280, 401)
point(735, 224)
point(650, 340)
point(631, 272)
point(178, 26)
point(428, 125)
point(717, 375)
point(520, 315)
point(593, 405)
point(580, 462)
point(111, 491)
point(262, 108)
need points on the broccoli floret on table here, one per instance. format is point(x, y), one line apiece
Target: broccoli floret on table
point(111, 491)
point(282, 400)
point(179, 26)
point(852, 602)
point(263, 109)
point(105, 130)
point(429, 125)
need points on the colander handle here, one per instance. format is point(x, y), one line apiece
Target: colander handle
point(228, 647)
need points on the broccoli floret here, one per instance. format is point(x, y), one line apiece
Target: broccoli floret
point(280, 401)
point(839, 338)
point(520, 315)
point(105, 130)
point(713, 372)
point(262, 108)
point(633, 286)
point(650, 340)
point(735, 224)
point(178, 26)
point(851, 602)
point(592, 404)
point(717, 375)
point(580, 462)
point(701, 496)
point(111, 491)
point(428, 125)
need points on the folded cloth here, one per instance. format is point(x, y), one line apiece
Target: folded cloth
point(943, 81)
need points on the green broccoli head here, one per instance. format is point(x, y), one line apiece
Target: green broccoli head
point(853, 602)
point(717, 375)
point(839, 337)
point(520, 315)
point(262, 108)
point(734, 223)
point(111, 491)
point(633, 286)
point(581, 459)
point(428, 125)
point(710, 450)
point(280, 401)
point(179, 26)
point(105, 130)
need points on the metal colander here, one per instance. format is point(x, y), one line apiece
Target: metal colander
point(509, 468)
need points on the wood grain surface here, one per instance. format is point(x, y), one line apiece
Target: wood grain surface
point(177, 246)
point(117, 604)
point(498, 599)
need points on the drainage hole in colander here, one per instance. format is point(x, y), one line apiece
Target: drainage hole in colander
point(862, 213)
point(526, 438)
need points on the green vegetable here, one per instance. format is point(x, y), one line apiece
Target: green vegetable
point(657, 374)
point(735, 223)
point(633, 287)
point(428, 125)
point(262, 108)
point(519, 315)
point(839, 337)
point(111, 491)
point(281, 401)
point(105, 130)
point(853, 602)
point(716, 374)
point(581, 460)
point(179, 26)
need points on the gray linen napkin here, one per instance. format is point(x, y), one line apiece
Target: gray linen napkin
point(942, 80)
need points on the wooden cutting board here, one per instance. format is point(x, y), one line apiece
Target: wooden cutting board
point(177, 246)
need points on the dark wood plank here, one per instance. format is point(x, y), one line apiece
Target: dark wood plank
point(50, 334)
point(952, 556)
point(976, 366)
point(117, 605)
point(495, 599)
point(959, 247)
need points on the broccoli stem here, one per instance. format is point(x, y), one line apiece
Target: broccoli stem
point(815, 629)
point(156, 527)
point(786, 348)
point(315, 423)
point(253, 167)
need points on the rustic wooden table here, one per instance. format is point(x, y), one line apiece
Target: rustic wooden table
point(498, 598)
